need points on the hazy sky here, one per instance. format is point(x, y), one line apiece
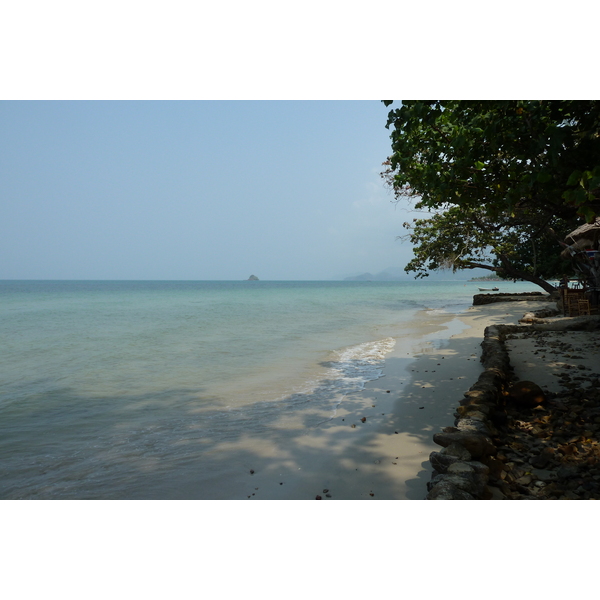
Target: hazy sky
point(195, 190)
point(224, 189)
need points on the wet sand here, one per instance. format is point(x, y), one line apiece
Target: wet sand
point(378, 444)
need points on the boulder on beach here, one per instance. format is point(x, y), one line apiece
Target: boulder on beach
point(526, 393)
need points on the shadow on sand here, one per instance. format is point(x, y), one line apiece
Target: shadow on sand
point(167, 446)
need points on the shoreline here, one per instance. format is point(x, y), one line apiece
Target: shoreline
point(540, 444)
point(386, 456)
point(374, 445)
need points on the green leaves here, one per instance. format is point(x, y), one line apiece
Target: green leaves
point(586, 192)
point(495, 174)
point(575, 178)
point(496, 153)
point(543, 177)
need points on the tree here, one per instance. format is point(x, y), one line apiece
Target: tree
point(460, 238)
point(503, 181)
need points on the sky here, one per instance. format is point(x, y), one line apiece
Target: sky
point(284, 190)
point(216, 142)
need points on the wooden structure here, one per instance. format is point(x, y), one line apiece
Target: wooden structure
point(576, 302)
point(583, 248)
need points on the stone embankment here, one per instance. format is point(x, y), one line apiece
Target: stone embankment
point(479, 299)
point(499, 450)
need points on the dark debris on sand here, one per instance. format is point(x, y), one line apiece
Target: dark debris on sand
point(552, 451)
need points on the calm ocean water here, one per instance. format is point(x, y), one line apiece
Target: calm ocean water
point(126, 389)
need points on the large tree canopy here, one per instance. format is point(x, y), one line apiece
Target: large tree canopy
point(504, 181)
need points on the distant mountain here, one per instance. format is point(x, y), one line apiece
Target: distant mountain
point(398, 274)
point(363, 277)
point(390, 274)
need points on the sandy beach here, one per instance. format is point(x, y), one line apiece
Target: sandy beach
point(378, 444)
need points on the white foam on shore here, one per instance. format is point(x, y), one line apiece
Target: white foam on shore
point(364, 361)
point(353, 367)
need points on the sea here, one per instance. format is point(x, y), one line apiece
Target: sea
point(136, 389)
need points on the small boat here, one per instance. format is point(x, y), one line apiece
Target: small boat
point(494, 289)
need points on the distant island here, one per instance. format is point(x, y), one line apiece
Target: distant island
point(391, 274)
point(363, 277)
point(398, 274)
point(253, 278)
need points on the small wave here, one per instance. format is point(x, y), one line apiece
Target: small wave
point(436, 311)
point(347, 371)
point(369, 354)
point(352, 368)
point(363, 362)
point(448, 307)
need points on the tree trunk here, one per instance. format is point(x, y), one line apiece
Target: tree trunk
point(513, 273)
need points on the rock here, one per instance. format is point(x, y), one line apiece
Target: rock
point(497, 415)
point(466, 480)
point(495, 493)
point(524, 480)
point(538, 431)
point(538, 317)
point(460, 468)
point(472, 425)
point(456, 450)
point(495, 466)
point(476, 444)
point(540, 461)
point(470, 484)
point(474, 411)
point(478, 467)
point(440, 462)
point(526, 393)
point(566, 472)
point(445, 490)
point(455, 429)
point(544, 475)
point(479, 299)
point(544, 445)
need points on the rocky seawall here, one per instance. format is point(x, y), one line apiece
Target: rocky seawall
point(479, 299)
point(500, 450)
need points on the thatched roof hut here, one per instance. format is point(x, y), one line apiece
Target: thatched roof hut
point(589, 231)
point(586, 236)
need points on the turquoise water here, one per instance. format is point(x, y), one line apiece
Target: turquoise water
point(124, 389)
